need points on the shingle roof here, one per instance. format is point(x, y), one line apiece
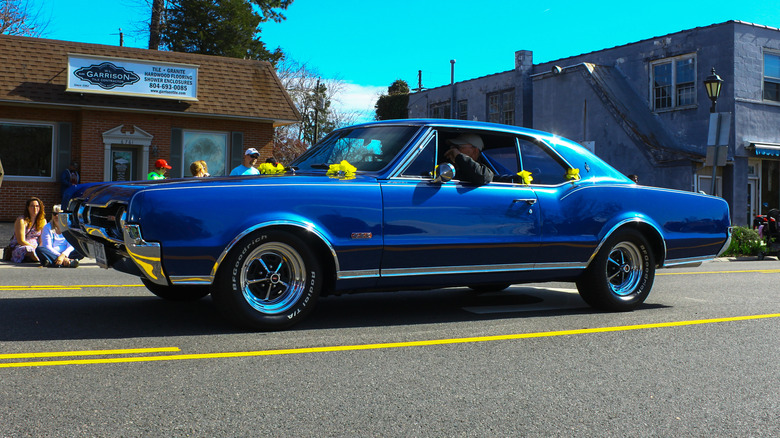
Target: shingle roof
point(34, 70)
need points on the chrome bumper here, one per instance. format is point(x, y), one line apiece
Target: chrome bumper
point(147, 256)
point(728, 242)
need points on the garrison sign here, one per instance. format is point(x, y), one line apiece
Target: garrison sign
point(132, 77)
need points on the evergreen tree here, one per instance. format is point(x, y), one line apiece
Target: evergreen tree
point(394, 104)
point(222, 28)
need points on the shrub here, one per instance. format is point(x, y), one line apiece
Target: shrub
point(744, 242)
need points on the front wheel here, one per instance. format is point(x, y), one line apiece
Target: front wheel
point(269, 281)
point(176, 293)
point(621, 275)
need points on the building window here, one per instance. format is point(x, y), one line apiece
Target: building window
point(674, 83)
point(501, 107)
point(772, 77)
point(211, 147)
point(440, 110)
point(463, 109)
point(27, 149)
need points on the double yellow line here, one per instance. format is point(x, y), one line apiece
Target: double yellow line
point(335, 348)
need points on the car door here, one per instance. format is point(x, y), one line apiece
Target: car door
point(456, 227)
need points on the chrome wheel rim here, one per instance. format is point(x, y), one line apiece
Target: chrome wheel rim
point(273, 278)
point(624, 269)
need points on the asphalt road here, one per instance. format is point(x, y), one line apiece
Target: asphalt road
point(88, 352)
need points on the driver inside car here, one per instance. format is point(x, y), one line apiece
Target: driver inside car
point(465, 154)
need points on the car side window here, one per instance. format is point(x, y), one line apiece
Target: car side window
point(503, 159)
point(424, 163)
point(544, 167)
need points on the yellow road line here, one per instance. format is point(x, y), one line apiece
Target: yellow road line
point(761, 271)
point(63, 287)
point(88, 352)
point(385, 345)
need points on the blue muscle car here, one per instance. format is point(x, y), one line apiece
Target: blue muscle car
point(375, 207)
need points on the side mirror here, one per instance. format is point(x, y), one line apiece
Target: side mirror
point(443, 173)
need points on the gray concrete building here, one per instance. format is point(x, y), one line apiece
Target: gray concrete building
point(643, 108)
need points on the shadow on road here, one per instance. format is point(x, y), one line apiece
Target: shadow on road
point(111, 317)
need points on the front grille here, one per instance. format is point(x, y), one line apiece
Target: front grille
point(107, 218)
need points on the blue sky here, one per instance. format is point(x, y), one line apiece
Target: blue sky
point(368, 44)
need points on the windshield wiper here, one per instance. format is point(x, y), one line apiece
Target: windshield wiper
point(320, 166)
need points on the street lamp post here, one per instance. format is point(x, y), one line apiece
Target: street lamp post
point(713, 84)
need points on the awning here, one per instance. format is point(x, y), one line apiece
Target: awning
point(769, 149)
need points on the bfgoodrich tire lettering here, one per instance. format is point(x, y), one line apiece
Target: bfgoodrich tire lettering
point(621, 275)
point(269, 281)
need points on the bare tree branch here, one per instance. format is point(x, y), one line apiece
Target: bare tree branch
point(17, 17)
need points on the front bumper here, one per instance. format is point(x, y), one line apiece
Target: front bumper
point(132, 254)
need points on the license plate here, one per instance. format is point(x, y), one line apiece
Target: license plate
point(99, 252)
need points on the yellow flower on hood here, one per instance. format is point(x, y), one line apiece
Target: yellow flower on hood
point(341, 169)
point(270, 169)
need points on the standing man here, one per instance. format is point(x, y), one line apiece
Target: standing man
point(69, 177)
point(247, 166)
point(160, 167)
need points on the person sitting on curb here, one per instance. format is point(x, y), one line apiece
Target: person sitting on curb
point(160, 167)
point(27, 229)
point(54, 251)
point(247, 167)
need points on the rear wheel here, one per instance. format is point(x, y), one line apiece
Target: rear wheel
point(621, 275)
point(176, 293)
point(269, 281)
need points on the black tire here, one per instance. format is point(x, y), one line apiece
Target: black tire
point(269, 281)
point(621, 275)
point(176, 293)
point(486, 288)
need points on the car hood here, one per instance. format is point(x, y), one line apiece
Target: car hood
point(100, 194)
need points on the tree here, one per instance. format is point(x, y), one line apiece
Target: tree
point(17, 18)
point(314, 97)
point(224, 28)
point(155, 24)
point(394, 104)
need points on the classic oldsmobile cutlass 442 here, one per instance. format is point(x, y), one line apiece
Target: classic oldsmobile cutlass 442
point(368, 209)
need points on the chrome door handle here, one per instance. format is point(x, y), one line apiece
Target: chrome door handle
point(530, 201)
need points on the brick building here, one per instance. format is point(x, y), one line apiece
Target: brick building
point(116, 110)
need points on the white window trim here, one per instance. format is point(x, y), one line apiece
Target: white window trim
point(54, 136)
point(763, 76)
point(673, 60)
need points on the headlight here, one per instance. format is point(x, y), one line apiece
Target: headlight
point(121, 217)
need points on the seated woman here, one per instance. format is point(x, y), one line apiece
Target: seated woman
point(27, 228)
point(54, 251)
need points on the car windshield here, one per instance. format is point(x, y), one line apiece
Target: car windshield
point(368, 148)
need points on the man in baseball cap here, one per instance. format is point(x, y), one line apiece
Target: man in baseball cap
point(465, 154)
point(160, 167)
point(247, 167)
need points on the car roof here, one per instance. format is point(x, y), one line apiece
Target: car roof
point(454, 123)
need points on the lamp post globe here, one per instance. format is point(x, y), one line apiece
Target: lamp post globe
point(712, 84)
